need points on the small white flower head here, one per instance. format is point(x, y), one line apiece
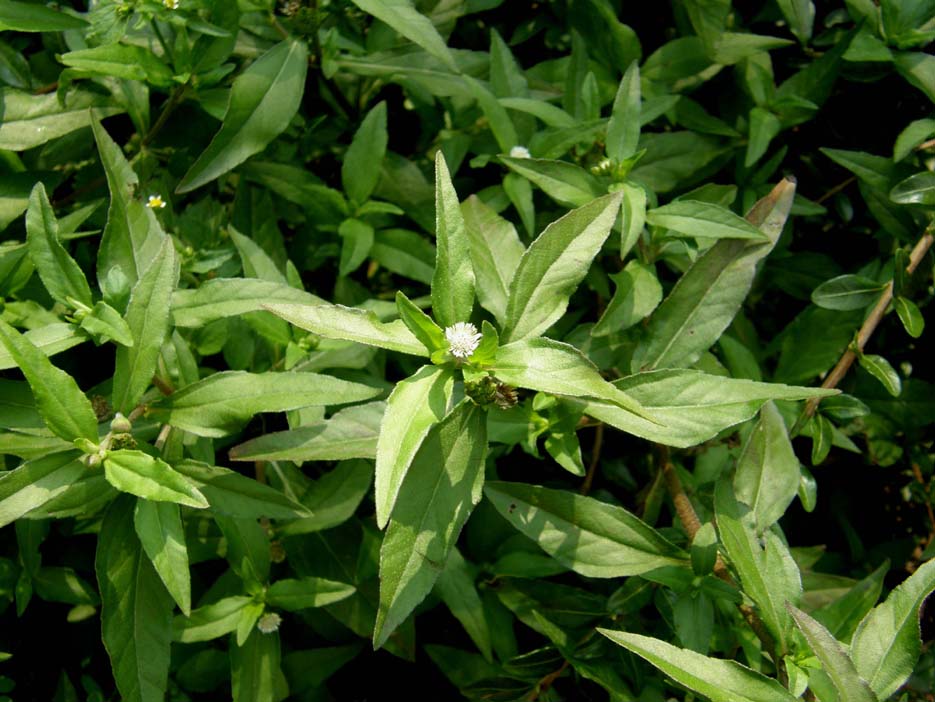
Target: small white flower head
point(463, 339)
point(171, 4)
point(520, 152)
point(155, 202)
point(269, 623)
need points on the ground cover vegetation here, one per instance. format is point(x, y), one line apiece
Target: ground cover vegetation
point(556, 350)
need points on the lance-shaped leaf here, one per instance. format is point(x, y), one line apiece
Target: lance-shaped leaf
point(294, 594)
point(232, 297)
point(415, 405)
point(495, 251)
point(59, 273)
point(236, 495)
point(255, 672)
point(50, 340)
point(152, 478)
point(456, 588)
point(64, 408)
point(718, 680)
point(560, 369)
point(703, 220)
point(843, 615)
point(350, 433)
point(564, 182)
point(360, 169)
point(441, 489)
point(219, 404)
point(553, 266)
point(136, 610)
point(417, 28)
point(210, 621)
point(591, 537)
point(132, 235)
point(623, 129)
point(31, 120)
point(148, 318)
point(887, 644)
point(706, 298)
point(453, 280)
point(768, 575)
point(333, 498)
point(35, 482)
point(420, 324)
point(767, 477)
point(350, 324)
point(263, 100)
point(28, 17)
point(159, 528)
point(691, 406)
point(120, 61)
point(834, 659)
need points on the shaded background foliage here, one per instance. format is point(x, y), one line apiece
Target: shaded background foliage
point(826, 101)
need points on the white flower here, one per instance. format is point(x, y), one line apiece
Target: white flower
point(269, 623)
point(155, 201)
point(463, 339)
point(520, 152)
point(171, 4)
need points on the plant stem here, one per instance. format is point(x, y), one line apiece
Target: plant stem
point(867, 328)
point(595, 458)
point(174, 101)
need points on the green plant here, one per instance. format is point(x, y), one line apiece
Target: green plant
point(409, 373)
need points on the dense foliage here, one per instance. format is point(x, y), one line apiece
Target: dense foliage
point(556, 350)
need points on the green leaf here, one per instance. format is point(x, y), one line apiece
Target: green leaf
point(800, 14)
point(132, 236)
point(822, 438)
point(847, 292)
point(637, 294)
point(843, 615)
point(350, 324)
point(704, 220)
point(553, 266)
point(236, 495)
point(834, 659)
point(456, 588)
point(886, 645)
point(148, 318)
point(566, 183)
point(333, 498)
point(233, 297)
point(704, 549)
point(59, 273)
point(159, 528)
point(35, 482)
point(357, 242)
point(349, 433)
point(221, 403)
point(875, 171)
point(633, 215)
point(497, 118)
point(263, 100)
point(136, 610)
point(210, 621)
point(248, 549)
point(880, 368)
point(910, 316)
point(298, 185)
point(31, 120)
point(560, 369)
point(918, 189)
point(420, 324)
point(104, 323)
point(412, 409)
point(120, 61)
point(706, 298)
point(764, 127)
point(417, 28)
point(718, 680)
point(441, 488)
point(64, 408)
point(768, 575)
point(593, 538)
point(29, 17)
point(453, 281)
point(152, 478)
point(360, 169)
point(404, 253)
point(495, 253)
point(767, 476)
point(255, 672)
point(623, 129)
point(294, 594)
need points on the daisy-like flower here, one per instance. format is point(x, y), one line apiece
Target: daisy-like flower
point(520, 152)
point(155, 202)
point(171, 4)
point(269, 623)
point(463, 339)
